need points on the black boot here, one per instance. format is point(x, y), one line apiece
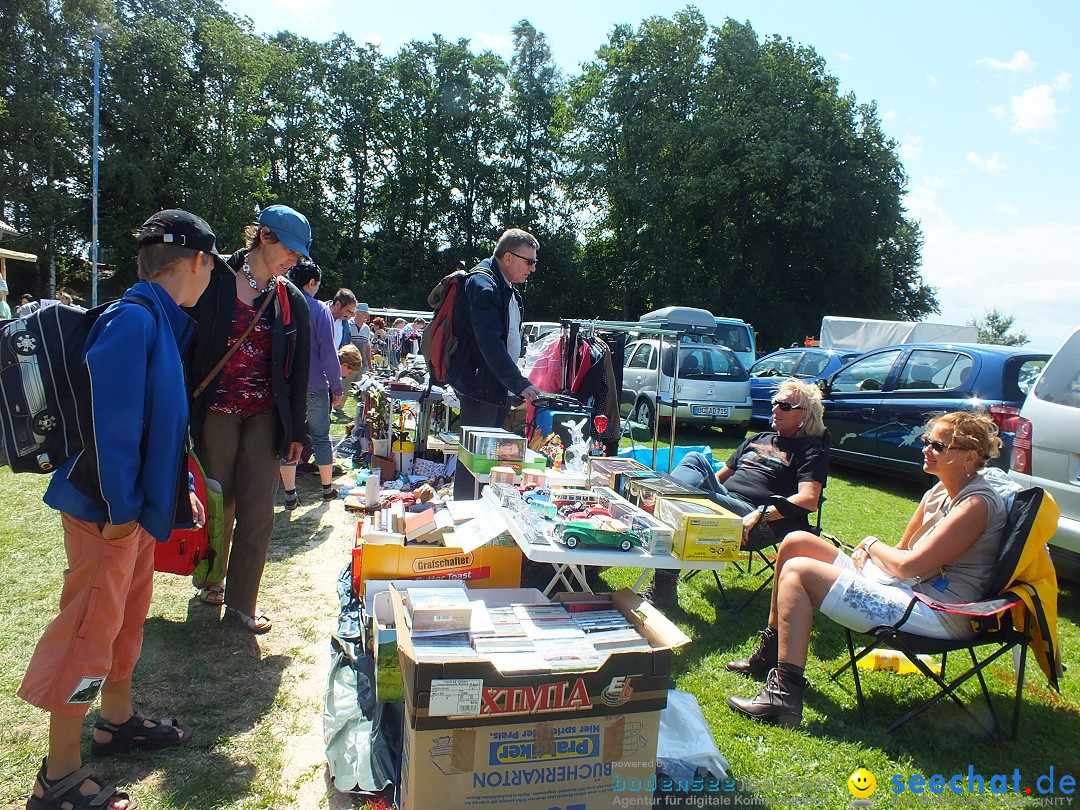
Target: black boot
point(762, 659)
point(780, 700)
point(663, 591)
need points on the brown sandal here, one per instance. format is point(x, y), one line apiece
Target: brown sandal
point(258, 624)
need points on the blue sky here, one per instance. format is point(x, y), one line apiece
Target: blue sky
point(980, 96)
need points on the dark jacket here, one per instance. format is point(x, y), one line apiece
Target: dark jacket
point(136, 466)
point(290, 352)
point(481, 368)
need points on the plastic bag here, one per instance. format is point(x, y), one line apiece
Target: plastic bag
point(685, 746)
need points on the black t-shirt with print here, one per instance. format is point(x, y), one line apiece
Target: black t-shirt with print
point(770, 464)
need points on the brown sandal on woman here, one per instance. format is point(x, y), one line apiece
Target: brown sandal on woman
point(212, 595)
point(258, 624)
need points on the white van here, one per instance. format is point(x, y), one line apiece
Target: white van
point(738, 336)
point(1046, 449)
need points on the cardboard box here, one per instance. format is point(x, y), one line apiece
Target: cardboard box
point(704, 530)
point(476, 737)
point(377, 605)
point(538, 765)
point(481, 465)
point(462, 694)
point(642, 488)
point(487, 567)
point(603, 468)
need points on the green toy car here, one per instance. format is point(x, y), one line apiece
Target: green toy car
point(598, 530)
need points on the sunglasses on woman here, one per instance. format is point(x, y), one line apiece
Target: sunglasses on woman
point(786, 406)
point(937, 447)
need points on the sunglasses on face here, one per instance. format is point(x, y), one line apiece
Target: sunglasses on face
point(937, 447)
point(786, 406)
point(526, 259)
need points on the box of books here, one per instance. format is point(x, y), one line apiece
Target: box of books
point(540, 704)
point(704, 530)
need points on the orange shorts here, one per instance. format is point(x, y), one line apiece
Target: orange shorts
point(98, 633)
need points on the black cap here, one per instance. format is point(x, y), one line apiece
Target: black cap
point(181, 228)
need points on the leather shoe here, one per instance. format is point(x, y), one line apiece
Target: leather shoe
point(780, 701)
point(761, 660)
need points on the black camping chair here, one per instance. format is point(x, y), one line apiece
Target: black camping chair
point(1003, 621)
point(764, 540)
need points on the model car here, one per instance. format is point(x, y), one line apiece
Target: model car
point(600, 531)
point(712, 387)
point(809, 364)
point(876, 407)
point(1045, 453)
point(589, 512)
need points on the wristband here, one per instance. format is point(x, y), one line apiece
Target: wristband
point(870, 545)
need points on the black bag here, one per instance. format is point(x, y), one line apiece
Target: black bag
point(44, 386)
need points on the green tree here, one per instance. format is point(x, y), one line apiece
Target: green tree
point(996, 326)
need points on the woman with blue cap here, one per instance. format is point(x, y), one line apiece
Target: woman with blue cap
point(249, 412)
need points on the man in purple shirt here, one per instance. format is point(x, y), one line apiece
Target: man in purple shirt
point(324, 385)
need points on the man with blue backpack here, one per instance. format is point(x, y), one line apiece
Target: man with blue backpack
point(120, 494)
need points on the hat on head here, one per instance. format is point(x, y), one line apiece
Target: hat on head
point(182, 229)
point(289, 226)
point(362, 308)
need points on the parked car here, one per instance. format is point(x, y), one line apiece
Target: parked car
point(1046, 449)
point(597, 531)
point(877, 405)
point(712, 389)
point(809, 364)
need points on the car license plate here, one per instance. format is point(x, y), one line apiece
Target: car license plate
point(710, 410)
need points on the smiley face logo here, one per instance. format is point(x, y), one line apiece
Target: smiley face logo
point(862, 783)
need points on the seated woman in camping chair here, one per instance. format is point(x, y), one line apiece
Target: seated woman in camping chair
point(773, 479)
point(947, 552)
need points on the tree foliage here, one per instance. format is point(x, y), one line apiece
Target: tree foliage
point(996, 326)
point(687, 163)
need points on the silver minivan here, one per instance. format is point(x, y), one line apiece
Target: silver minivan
point(713, 387)
point(1046, 449)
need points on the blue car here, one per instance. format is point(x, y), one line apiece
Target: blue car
point(877, 405)
point(810, 364)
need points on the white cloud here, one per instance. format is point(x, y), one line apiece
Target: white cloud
point(911, 147)
point(997, 111)
point(888, 115)
point(498, 43)
point(1008, 208)
point(1034, 110)
point(1021, 61)
point(1030, 272)
point(923, 205)
point(846, 57)
point(373, 39)
point(1061, 81)
point(991, 165)
point(932, 80)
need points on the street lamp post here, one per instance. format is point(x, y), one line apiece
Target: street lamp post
point(99, 32)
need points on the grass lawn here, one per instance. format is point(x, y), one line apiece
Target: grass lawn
point(248, 703)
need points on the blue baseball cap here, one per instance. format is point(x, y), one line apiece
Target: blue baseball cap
point(289, 226)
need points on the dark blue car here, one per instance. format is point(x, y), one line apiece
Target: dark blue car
point(877, 405)
point(810, 364)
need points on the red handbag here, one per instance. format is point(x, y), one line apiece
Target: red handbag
point(185, 548)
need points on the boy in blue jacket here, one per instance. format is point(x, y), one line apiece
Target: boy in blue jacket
point(117, 497)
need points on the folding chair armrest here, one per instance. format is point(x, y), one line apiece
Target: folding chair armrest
point(788, 509)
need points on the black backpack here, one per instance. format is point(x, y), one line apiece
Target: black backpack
point(44, 386)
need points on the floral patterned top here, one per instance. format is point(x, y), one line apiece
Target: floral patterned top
point(244, 384)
